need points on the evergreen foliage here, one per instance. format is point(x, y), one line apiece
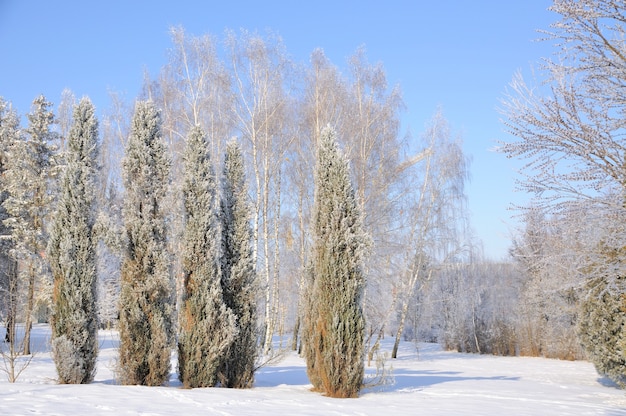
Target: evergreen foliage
point(334, 322)
point(207, 325)
point(239, 281)
point(72, 254)
point(146, 302)
point(603, 329)
point(9, 128)
point(30, 181)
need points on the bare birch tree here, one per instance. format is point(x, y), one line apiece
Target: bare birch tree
point(193, 89)
point(373, 144)
point(434, 216)
point(570, 132)
point(64, 116)
point(260, 70)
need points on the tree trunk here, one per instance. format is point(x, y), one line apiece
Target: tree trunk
point(12, 307)
point(277, 316)
point(296, 328)
point(29, 311)
point(269, 316)
point(396, 344)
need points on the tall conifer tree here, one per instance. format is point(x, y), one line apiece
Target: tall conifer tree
point(9, 131)
point(207, 325)
point(72, 254)
point(602, 327)
point(334, 322)
point(146, 298)
point(239, 280)
point(29, 178)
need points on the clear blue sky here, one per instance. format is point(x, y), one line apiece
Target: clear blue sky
point(457, 54)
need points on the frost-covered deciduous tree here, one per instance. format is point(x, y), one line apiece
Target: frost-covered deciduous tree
point(334, 323)
point(29, 178)
point(570, 133)
point(193, 90)
point(109, 253)
point(433, 216)
point(114, 133)
point(473, 303)
point(146, 300)
point(207, 326)
point(260, 77)
point(9, 131)
point(72, 254)
point(239, 281)
point(548, 255)
point(65, 112)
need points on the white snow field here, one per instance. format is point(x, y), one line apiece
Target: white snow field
point(428, 381)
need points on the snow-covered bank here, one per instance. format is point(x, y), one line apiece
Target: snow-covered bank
point(428, 381)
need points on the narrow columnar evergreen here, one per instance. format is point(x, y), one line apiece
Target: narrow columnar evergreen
point(602, 329)
point(207, 325)
point(239, 280)
point(334, 322)
point(146, 300)
point(72, 254)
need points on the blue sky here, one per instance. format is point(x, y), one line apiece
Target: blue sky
point(456, 54)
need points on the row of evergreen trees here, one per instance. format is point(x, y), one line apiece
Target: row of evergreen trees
point(214, 329)
point(217, 337)
point(217, 317)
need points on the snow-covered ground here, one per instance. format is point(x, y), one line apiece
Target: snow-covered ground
point(428, 381)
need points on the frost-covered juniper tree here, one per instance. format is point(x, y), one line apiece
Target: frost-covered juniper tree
point(601, 325)
point(146, 300)
point(29, 176)
point(334, 323)
point(72, 254)
point(239, 281)
point(207, 325)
